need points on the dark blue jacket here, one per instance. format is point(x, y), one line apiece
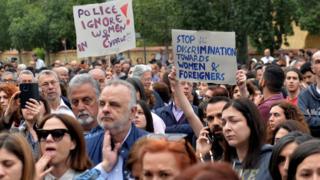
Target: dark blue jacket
point(94, 144)
point(172, 126)
point(309, 104)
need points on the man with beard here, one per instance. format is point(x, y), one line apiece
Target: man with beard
point(117, 108)
point(210, 141)
point(51, 91)
point(83, 94)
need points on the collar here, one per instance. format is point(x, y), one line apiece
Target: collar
point(69, 174)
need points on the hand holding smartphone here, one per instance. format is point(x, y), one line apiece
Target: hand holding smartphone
point(28, 90)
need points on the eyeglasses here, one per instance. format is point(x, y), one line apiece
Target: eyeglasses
point(57, 134)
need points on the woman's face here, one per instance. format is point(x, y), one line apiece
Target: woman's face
point(27, 114)
point(284, 159)
point(159, 165)
point(276, 117)
point(279, 134)
point(59, 146)
point(10, 166)
point(236, 93)
point(235, 128)
point(309, 168)
point(140, 119)
point(4, 100)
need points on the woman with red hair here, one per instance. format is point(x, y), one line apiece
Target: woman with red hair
point(163, 158)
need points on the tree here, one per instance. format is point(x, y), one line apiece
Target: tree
point(266, 23)
point(309, 15)
point(4, 24)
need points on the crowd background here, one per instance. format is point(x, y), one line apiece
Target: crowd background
point(115, 119)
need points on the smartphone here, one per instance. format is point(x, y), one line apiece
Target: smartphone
point(27, 91)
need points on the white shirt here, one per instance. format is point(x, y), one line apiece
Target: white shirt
point(158, 125)
point(63, 109)
point(40, 64)
point(266, 59)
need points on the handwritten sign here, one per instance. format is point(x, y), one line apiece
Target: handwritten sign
point(204, 56)
point(105, 28)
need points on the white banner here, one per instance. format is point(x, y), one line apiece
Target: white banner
point(204, 56)
point(105, 28)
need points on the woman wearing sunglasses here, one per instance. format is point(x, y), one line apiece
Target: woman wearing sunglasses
point(62, 147)
point(244, 132)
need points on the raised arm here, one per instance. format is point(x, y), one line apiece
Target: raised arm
point(186, 107)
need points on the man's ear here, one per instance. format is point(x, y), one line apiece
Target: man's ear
point(133, 112)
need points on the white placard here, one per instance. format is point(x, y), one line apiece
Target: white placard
point(205, 56)
point(105, 28)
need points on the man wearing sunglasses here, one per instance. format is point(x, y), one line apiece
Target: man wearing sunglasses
point(117, 107)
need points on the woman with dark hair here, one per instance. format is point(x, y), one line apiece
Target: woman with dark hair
point(158, 124)
point(282, 111)
point(62, 147)
point(15, 158)
point(244, 132)
point(286, 127)
point(304, 162)
point(282, 151)
point(143, 118)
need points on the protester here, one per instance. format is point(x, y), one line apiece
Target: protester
point(282, 151)
point(51, 91)
point(163, 158)
point(15, 158)
point(26, 76)
point(134, 158)
point(271, 84)
point(280, 112)
point(210, 142)
point(143, 118)
point(244, 132)
point(158, 124)
point(292, 84)
point(84, 94)
point(304, 162)
point(62, 147)
point(307, 74)
point(308, 100)
point(117, 107)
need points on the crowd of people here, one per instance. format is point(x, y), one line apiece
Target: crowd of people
point(118, 120)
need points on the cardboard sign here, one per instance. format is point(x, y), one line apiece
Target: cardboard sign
point(105, 28)
point(204, 56)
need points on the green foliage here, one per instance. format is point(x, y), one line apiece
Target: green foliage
point(309, 15)
point(40, 52)
point(154, 20)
